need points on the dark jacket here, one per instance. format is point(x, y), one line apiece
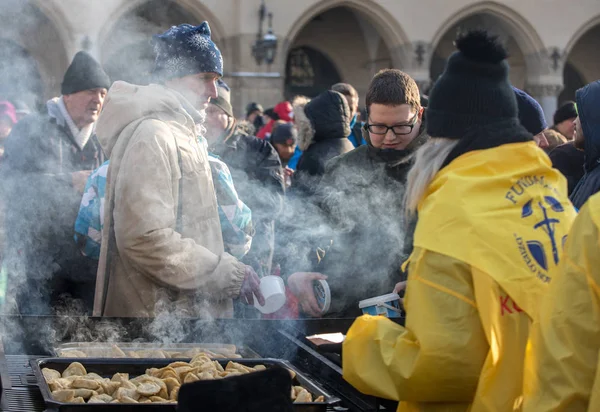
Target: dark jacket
point(588, 102)
point(42, 258)
point(322, 135)
point(569, 161)
point(258, 178)
point(362, 195)
point(323, 128)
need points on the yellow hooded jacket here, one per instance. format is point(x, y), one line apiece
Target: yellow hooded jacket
point(562, 371)
point(490, 231)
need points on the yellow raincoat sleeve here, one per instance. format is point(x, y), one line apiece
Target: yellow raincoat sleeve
point(562, 361)
point(439, 355)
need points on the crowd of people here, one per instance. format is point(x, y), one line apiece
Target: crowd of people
point(126, 200)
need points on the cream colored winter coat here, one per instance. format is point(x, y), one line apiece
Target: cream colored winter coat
point(150, 265)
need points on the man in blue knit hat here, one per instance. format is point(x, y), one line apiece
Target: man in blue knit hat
point(162, 244)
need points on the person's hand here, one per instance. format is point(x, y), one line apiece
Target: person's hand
point(251, 288)
point(301, 285)
point(288, 172)
point(400, 286)
point(79, 179)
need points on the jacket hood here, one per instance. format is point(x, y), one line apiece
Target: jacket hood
point(126, 103)
point(325, 117)
point(588, 104)
point(298, 105)
point(284, 111)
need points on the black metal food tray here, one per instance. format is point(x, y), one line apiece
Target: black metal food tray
point(103, 350)
point(135, 367)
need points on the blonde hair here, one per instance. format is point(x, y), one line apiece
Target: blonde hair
point(428, 161)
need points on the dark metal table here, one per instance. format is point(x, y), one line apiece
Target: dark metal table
point(31, 337)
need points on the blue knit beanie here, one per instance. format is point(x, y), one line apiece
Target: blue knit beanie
point(183, 50)
point(531, 114)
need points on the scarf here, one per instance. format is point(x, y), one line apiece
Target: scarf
point(393, 157)
point(58, 110)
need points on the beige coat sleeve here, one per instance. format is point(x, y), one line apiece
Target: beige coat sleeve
point(144, 221)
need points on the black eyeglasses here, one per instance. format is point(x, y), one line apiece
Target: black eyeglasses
point(398, 129)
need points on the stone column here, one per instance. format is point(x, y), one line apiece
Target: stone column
point(85, 41)
point(547, 96)
point(544, 79)
point(416, 59)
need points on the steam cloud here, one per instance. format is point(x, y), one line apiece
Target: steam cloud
point(303, 223)
point(19, 71)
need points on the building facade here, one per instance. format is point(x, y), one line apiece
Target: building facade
point(553, 44)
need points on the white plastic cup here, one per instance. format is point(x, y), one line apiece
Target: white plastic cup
point(273, 290)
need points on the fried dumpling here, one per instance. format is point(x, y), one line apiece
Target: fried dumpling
point(74, 369)
point(50, 374)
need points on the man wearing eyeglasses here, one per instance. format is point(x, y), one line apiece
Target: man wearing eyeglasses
point(362, 195)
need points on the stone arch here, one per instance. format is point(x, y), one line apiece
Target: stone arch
point(195, 7)
point(388, 27)
point(582, 62)
point(125, 44)
point(582, 31)
point(521, 29)
point(373, 39)
point(523, 42)
point(61, 23)
point(314, 65)
point(44, 57)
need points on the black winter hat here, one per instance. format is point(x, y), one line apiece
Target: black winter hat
point(183, 50)
point(271, 113)
point(567, 111)
point(531, 114)
point(473, 90)
point(84, 73)
point(284, 134)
